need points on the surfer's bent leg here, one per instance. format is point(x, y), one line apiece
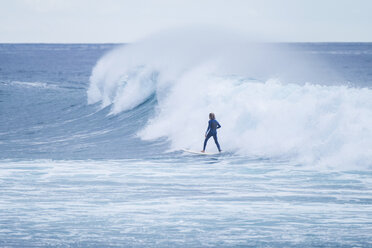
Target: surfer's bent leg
point(216, 141)
point(206, 140)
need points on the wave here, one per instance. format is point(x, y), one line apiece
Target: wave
point(270, 101)
point(34, 84)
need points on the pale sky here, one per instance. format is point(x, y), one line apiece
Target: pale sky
point(121, 21)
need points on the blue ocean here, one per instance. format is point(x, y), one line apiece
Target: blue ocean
point(92, 139)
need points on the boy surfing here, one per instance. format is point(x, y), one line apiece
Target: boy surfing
point(213, 125)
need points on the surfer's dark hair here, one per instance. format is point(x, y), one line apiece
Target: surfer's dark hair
point(212, 116)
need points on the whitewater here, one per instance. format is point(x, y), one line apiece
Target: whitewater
point(91, 139)
point(265, 95)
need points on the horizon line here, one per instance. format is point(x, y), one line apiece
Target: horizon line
point(121, 43)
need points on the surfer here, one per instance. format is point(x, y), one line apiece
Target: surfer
point(212, 131)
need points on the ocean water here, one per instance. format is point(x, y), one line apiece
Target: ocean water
point(91, 139)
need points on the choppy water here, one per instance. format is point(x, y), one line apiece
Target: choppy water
point(90, 153)
point(193, 202)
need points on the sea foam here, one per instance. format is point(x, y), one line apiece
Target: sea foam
point(270, 101)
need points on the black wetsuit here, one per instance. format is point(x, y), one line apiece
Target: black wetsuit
point(212, 131)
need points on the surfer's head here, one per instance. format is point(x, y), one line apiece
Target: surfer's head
point(212, 116)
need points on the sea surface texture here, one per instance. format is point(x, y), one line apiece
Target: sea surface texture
point(92, 139)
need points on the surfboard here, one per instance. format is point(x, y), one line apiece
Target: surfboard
point(200, 153)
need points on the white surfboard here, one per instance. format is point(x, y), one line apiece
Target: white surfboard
point(200, 153)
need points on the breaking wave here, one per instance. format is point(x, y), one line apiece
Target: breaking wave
point(270, 101)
